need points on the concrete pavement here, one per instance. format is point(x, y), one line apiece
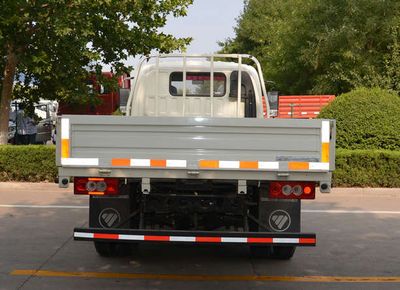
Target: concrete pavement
point(358, 233)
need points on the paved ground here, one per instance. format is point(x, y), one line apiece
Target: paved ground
point(358, 234)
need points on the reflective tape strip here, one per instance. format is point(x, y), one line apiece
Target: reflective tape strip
point(182, 239)
point(259, 240)
point(304, 113)
point(298, 165)
point(193, 239)
point(325, 152)
point(131, 237)
point(80, 161)
point(319, 166)
point(325, 132)
point(160, 163)
point(83, 235)
point(140, 162)
point(229, 164)
point(120, 162)
point(65, 152)
point(245, 164)
point(285, 241)
point(268, 165)
point(177, 163)
point(316, 113)
point(233, 240)
point(64, 128)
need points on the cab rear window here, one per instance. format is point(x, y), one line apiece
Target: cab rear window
point(197, 84)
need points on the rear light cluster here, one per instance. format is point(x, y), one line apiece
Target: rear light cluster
point(292, 190)
point(96, 186)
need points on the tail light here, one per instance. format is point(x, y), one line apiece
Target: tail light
point(96, 186)
point(292, 190)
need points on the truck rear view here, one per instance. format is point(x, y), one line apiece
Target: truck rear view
point(196, 161)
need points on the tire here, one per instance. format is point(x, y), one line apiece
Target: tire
point(107, 249)
point(283, 253)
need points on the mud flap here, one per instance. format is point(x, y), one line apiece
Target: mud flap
point(109, 212)
point(279, 215)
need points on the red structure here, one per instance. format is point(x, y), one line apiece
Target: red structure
point(302, 107)
point(109, 101)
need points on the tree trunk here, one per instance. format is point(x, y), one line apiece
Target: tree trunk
point(6, 92)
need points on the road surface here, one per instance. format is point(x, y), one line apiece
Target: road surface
point(358, 247)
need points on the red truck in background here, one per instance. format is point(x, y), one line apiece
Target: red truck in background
point(302, 107)
point(110, 100)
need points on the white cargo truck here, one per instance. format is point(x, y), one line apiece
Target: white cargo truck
point(196, 160)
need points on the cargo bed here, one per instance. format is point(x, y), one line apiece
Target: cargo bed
point(204, 148)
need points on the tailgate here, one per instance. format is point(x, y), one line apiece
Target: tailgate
point(206, 148)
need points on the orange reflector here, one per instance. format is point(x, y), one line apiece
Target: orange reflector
point(249, 164)
point(325, 152)
point(298, 166)
point(120, 162)
point(158, 163)
point(96, 193)
point(65, 148)
point(307, 190)
point(208, 163)
point(96, 179)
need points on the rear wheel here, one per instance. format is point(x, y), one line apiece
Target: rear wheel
point(107, 249)
point(283, 253)
point(260, 252)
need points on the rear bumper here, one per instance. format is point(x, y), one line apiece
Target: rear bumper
point(162, 236)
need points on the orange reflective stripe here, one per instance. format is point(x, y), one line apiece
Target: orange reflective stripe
point(96, 179)
point(298, 166)
point(65, 148)
point(209, 164)
point(325, 152)
point(249, 164)
point(96, 193)
point(120, 162)
point(158, 163)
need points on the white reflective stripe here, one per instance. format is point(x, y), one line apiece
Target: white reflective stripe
point(318, 166)
point(285, 241)
point(233, 240)
point(289, 113)
point(268, 165)
point(64, 128)
point(304, 113)
point(131, 237)
point(325, 132)
point(80, 161)
point(182, 239)
point(176, 163)
point(229, 164)
point(316, 113)
point(140, 162)
point(83, 235)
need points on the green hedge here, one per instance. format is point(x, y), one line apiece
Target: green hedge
point(367, 168)
point(366, 119)
point(363, 168)
point(32, 163)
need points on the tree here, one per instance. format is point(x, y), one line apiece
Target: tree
point(321, 46)
point(48, 47)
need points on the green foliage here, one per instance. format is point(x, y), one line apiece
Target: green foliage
point(366, 119)
point(367, 168)
point(322, 46)
point(57, 44)
point(32, 163)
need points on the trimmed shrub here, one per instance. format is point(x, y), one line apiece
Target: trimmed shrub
point(32, 163)
point(367, 168)
point(366, 119)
